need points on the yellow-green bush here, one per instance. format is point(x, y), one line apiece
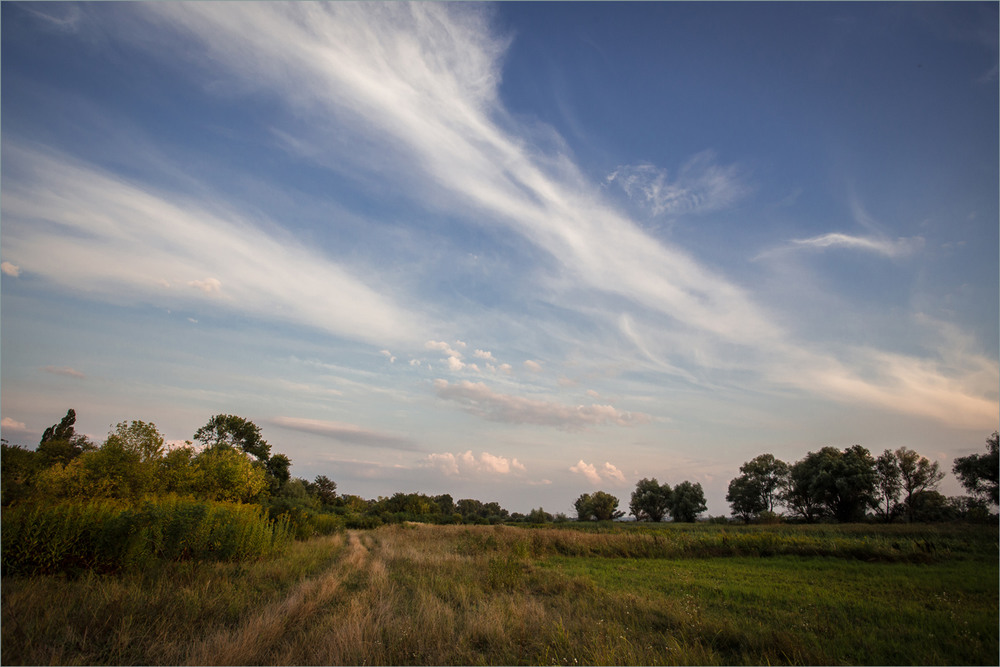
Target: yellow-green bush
point(110, 535)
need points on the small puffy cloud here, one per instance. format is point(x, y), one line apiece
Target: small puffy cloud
point(588, 470)
point(9, 424)
point(596, 476)
point(467, 463)
point(506, 369)
point(208, 285)
point(613, 472)
point(478, 399)
point(388, 355)
point(346, 433)
point(533, 366)
point(64, 370)
point(484, 354)
point(9, 269)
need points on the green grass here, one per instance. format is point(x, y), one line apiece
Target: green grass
point(804, 611)
point(420, 594)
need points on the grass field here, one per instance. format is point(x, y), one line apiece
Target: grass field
point(621, 594)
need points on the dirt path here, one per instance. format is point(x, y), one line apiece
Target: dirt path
point(259, 639)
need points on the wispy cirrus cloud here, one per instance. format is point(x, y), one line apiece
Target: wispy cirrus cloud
point(126, 243)
point(347, 433)
point(478, 399)
point(900, 247)
point(64, 371)
point(467, 462)
point(700, 186)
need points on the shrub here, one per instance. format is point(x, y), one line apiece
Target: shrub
point(109, 536)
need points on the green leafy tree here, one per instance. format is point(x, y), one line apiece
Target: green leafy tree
point(278, 473)
point(584, 507)
point(650, 500)
point(60, 442)
point(138, 437)
point(888, 485)
point(601, 506)
point(803, 496)
point(229, 475)
point(978, 473)
point(688, 502)
point(758, 487)
point(746, 497)
point(326, 490)
point(539, 516)
point(834, 482)
point(19, 467)
point(917, 475)
point(769, 474)
point(235, 432)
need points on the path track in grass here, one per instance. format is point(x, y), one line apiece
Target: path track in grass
point(265, 634)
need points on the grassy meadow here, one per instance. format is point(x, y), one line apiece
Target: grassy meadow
point(563, 595)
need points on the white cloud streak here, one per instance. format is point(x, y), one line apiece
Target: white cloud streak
point(65, 371)
point(901, 247)
point(419, 83)
point(90, 232)
point(9, 269)
point(478, 399)
point(346, 433)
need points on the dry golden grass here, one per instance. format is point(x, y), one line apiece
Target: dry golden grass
point(421, 594)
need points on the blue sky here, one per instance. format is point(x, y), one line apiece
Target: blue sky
point(514, 252)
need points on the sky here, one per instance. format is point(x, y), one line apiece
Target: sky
point(514, 252)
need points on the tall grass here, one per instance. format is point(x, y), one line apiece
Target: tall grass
point(108, 536)
point(408, 595)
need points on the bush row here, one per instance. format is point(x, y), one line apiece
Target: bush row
point(108, 536)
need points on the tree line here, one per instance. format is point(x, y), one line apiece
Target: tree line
point(852, 485)
point(232, 462)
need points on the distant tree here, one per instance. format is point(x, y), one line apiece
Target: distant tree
point(278, 472)
point(650, 500)
point(746, 497)
point(539, 516)
point(19, 467)
point(830, 481)
point(758, 487)
point(803, 496)
point(888, 485)
point(326, 490)
point(224, 473)
point(930, 506)
point(138, 437)
point(235, 432)
point(604, 506)
point(688, 502)
point(60, 442)
point(917, 475)
point(978, 473)
point(770, 475)
point(445, 504)
point(584, 507)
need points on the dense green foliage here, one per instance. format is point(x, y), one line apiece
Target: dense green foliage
point(107, 536)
